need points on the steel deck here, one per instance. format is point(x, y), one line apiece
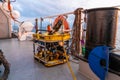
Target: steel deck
point(24, 67)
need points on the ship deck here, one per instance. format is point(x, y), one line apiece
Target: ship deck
point(24, 67)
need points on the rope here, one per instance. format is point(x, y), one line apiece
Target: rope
point(9, 8)
point(76, 34)
point(6, 66)
point(69, 66)
point(68, 63)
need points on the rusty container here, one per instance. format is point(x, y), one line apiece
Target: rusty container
point(101, 28)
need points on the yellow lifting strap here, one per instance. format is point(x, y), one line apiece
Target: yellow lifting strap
point(68, 63)
point(69, 66)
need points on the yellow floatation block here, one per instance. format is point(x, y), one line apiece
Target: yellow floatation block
point(51, 38)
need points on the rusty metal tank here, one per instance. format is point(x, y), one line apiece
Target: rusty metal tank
point(101, 28)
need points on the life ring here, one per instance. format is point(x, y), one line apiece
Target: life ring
point(64, 22)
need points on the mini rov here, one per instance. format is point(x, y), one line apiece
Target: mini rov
point(51, 47)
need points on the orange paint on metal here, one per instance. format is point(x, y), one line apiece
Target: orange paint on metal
point(9, 7)
point(64, 21)
point(48, 28)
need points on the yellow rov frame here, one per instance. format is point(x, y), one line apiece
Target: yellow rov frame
point(51, 49)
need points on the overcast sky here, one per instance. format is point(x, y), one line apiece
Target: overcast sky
point(41, 8)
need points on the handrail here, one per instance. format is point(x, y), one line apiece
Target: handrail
point(58, 15)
